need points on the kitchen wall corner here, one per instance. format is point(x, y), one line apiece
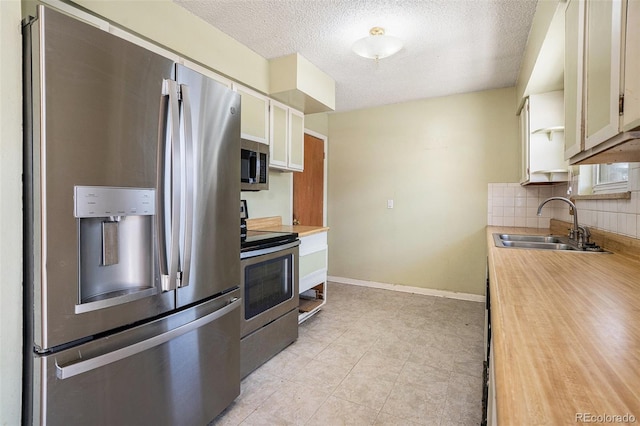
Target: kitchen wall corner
point(276, 201)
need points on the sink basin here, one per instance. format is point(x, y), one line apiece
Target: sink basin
point(533, 238)
point(541, 242)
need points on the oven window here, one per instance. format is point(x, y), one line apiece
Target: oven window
point(267, 284)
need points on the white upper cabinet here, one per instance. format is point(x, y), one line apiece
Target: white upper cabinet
point(542, 132)
point(603, 35)
point(279, 124)
point(254, 114)
point(296, 140)
point(573, 64)
point(602, 80)
point(286, 137)
point(631, 113)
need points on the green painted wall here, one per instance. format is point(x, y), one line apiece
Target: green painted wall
point(434, 158)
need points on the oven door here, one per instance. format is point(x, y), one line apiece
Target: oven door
point(269, 285)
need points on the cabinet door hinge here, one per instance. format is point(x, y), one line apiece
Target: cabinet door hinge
point(621, 105)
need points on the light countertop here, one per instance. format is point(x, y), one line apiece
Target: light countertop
point(274, 224)
point(566, 333)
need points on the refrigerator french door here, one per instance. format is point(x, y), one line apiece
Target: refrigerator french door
point(131, 259)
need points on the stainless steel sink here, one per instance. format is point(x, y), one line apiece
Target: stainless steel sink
point(541, 242)
point(533, 238)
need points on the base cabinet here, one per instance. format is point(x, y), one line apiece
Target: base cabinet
point(492, 416)
point(313, 274)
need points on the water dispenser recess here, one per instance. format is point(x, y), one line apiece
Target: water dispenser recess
point(115, 245)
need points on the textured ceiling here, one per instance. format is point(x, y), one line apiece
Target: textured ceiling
point(450, 46)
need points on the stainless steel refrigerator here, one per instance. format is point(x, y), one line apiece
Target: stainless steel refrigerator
point(132, 187)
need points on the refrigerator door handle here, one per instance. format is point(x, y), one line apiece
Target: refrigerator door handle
point(76, 368)
point(188, 186)
point(170, 193)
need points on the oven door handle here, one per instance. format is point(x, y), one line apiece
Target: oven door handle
point(269, 250)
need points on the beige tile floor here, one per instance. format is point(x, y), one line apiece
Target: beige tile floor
point(372, 357)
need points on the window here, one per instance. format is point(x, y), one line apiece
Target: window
point(611, 178)
point(600, 179)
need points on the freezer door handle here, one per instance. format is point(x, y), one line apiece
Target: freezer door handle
point(80, 367)
point(187, 187)
point(169, 192)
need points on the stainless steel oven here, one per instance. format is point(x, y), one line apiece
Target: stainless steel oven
point(269, 286)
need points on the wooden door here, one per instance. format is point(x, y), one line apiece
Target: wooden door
point(308, 186)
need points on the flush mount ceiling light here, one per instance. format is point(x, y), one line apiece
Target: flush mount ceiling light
point(377, 45)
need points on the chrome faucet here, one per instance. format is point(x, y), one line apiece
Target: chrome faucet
point(579, 234)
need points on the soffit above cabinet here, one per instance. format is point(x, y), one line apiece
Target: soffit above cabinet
point(298, 83)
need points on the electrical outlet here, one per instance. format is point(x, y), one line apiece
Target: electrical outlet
point(389, 204)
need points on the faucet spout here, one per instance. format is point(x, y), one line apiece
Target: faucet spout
point(576, 230)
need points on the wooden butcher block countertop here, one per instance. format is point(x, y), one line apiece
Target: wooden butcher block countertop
point(566, 334)
point(274, 223)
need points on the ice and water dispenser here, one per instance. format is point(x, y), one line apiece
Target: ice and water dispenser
point(115, 245)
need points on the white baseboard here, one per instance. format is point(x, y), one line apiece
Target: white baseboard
point(409, 289)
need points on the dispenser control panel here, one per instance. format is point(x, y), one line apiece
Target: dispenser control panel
point(104, 201)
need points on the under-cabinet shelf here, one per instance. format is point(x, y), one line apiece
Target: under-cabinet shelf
point(549, 131)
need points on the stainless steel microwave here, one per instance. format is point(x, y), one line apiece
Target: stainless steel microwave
point(254, 166)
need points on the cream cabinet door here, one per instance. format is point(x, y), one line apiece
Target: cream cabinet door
point(254, 115)
point(603, 35)
point(524, 139)
point(573, 66)
point(296, 140)
point(631, 116)
point(279, 129)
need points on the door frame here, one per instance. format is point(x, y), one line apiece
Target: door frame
point(325, 140)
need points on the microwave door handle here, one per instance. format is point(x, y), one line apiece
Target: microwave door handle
point(256, 157)
point(187, 175)
point(169, 194)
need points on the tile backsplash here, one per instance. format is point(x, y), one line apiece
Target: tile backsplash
point(510, 204)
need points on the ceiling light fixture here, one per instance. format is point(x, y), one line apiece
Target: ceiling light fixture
point(377, 45)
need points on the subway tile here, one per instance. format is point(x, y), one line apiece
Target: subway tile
point(533, 202)
point(521, 192)
point(545, 192)
point(498, 202)
point(509, 221)
point(632, 226)
point(498, 211)
point(634, 202)
point(520, 202)
point(532, 191)
point(520, 221)
point(532, 222)
point(509, 211)
point(509, 192)
point(497, 221)
point(544, 222)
